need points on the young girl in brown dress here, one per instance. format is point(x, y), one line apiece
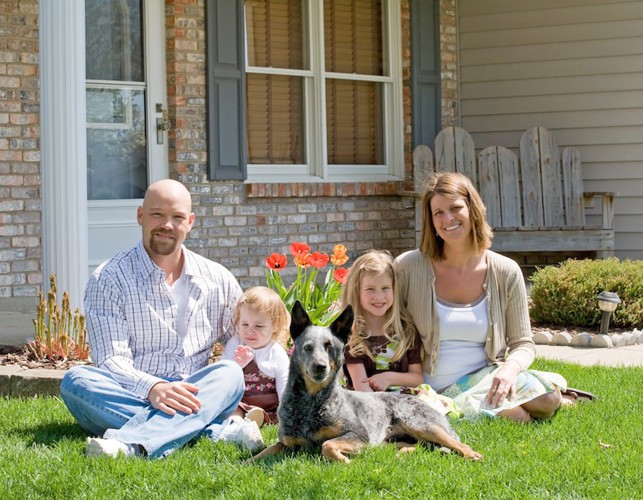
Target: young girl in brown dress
point(261, 319)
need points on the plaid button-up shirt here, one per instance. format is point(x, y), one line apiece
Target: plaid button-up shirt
point(132, 318)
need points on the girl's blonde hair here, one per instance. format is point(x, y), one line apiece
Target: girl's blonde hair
point(452, 185)
point(268, 302)
point(398, 324)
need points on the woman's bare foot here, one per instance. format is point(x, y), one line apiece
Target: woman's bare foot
point(568, 400)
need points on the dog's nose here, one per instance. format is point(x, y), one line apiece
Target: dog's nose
point(319, 367)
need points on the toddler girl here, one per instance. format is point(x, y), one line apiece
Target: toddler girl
point(260, 319)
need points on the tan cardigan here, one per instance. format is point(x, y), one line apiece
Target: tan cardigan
point(509, 333)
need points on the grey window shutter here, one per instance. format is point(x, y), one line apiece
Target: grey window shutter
point(425, 71)
point(226, 90)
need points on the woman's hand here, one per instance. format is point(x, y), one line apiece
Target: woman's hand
point(503, 385)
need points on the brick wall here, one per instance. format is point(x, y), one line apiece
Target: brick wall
point(236, 224)
point(20, 252)
point(239, 225)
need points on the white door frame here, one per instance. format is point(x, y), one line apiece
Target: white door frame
point(65, 217)
point(112, 224)
point(63, 146)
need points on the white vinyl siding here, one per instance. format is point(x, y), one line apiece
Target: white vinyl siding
point(573, 66)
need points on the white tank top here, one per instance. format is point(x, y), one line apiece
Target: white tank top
point(463, 332)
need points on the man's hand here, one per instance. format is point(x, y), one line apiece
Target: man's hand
point(170, 397)
point(243, 354)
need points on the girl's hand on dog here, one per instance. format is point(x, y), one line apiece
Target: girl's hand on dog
point(243, 355)
point(362, 386)
point(380, 381)
point(503, 385)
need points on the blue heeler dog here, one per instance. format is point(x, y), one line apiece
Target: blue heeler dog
point(316, 410)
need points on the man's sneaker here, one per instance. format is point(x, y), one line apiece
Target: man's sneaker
point(244, 433)
point(256, 414)
point(97, 447)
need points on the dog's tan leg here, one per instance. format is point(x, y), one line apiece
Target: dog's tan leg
point(275, 449)
point(403, 447)
point(335, 449)
point(437, 434)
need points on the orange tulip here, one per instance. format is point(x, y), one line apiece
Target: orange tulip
point(341, 275)
point(302, 260)
point(318, 259)
point(299, 249)
point(276, 261)
point(339, 257)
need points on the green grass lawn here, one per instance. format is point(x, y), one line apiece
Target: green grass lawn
point(592, 451)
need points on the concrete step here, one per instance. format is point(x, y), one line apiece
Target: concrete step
point(16, 328)
point(16, 381)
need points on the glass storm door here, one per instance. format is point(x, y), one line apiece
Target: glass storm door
point(126, 117)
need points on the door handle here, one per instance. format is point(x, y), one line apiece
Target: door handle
point(162, 124)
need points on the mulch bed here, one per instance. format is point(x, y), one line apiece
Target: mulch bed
point(20, 356)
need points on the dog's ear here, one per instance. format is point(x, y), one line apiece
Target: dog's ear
point(299, 320)
point(341, 327)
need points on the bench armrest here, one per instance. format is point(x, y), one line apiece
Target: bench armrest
point(607, 206)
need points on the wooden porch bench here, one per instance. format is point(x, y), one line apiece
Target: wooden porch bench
point(535, 202)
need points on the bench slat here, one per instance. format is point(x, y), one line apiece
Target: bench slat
point(455, 152)
point(532, 193)
point(573, 187)
point(561, 240)
point(499, 186)
point(552, 200)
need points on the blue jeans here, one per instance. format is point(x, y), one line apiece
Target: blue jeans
point(104, 408)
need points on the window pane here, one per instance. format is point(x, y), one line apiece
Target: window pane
point(275, 119)
point(274, 33)
point(353, 36)
point(114, 47)
point(353, 122)
point(116, 151)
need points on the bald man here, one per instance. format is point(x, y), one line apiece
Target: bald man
point(153, 313)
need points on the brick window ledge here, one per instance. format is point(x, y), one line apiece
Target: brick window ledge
point(312, 189)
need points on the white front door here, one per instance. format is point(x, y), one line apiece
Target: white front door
point(126, 118)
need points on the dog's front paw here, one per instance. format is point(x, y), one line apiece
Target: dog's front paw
point(468, 452)
point(274, 449)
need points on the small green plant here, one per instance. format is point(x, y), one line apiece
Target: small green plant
point(59, 333)
point(566, 294)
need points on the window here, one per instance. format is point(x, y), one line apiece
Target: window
point(323, 90)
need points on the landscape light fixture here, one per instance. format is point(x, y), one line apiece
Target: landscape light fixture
point(607, 303)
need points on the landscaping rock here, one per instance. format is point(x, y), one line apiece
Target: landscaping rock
point(562, 338)
point(618, 340)
point(601, 341)
point(581, 340)
point(629, 338)
point(637, 335)
point(542, 338)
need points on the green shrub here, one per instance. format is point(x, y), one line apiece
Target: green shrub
point(566, 294)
